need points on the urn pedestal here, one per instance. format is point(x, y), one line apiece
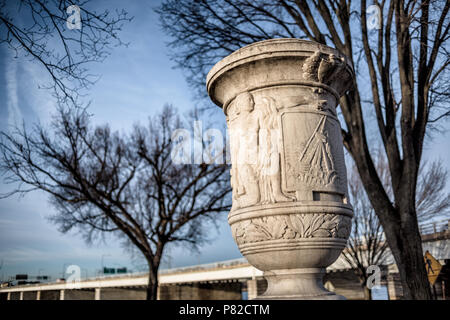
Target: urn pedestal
point(290, 215)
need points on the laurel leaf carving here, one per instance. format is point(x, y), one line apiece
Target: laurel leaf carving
point(292, 226)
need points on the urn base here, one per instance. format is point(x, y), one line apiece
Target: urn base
point(297, 284)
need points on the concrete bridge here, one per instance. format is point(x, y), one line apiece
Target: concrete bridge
point(223, 280)
point(233, 279)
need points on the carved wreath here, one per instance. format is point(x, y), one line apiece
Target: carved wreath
point(293, 226)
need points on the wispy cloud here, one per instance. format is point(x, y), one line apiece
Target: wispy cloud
point(12, 96)
point(41, 101)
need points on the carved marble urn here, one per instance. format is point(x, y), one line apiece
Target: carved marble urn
point(290, 216)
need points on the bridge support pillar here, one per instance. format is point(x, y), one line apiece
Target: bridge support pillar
point(61, 294)
point(38, 295)
point(256, 287)
point(21, 295)
point(98, 292)
point(8, 297)
point(252, 289)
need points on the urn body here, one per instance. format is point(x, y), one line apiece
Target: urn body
point(291, 215)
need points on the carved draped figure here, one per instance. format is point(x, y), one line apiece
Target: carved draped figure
point(255, 151)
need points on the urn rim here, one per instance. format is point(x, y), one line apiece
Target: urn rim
point(267, 49)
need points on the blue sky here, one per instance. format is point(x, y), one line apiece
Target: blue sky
point(135, 83)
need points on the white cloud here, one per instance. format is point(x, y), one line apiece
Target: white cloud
point(12, 98)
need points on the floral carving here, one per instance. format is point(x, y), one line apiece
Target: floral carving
point(294, 226)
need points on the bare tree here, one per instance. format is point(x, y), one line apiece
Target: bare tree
point(432, 201)
point(403, 59)
point(367, 243)
point(38, 29)
point(100, 181)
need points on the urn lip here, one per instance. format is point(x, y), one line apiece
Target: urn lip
point(266, 49)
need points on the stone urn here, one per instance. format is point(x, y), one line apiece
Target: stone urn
point(290, 216)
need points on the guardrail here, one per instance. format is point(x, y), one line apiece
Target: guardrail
point(221, 265)
point(214, 265)
point(434, 227)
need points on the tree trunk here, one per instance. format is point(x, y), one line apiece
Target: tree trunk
point(367, 293)
point(152, 286)
point(403, 236)
point(404, 239)
point(363, 281)
point(407, 250)
point(399, 221)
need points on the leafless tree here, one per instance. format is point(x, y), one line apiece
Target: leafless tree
point(432, 201)
point(404, 60)
point(367, 243)
point(100, 181)
point(37, 29)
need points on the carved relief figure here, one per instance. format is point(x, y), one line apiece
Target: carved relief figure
point(243, 125)
point(269, 154)
point(255, 173)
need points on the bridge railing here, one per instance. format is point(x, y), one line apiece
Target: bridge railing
point(434, 227)
point(206, 266)
point(214, 265)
